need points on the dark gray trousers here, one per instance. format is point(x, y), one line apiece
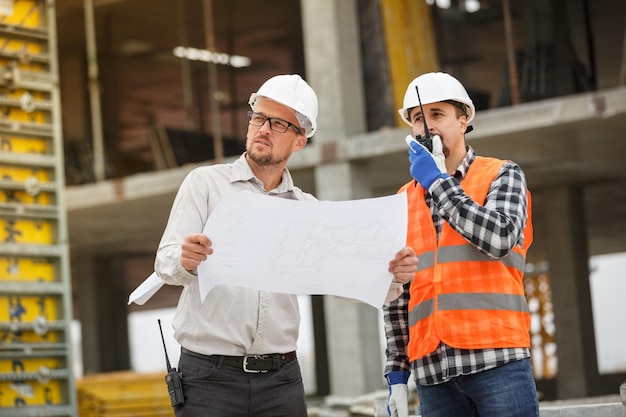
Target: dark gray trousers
point(224, 391)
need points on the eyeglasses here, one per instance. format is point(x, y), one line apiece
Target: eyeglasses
point(277, 125)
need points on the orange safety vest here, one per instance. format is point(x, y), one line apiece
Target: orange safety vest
point(460, 295)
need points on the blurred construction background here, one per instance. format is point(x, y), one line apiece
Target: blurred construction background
point(107, 104)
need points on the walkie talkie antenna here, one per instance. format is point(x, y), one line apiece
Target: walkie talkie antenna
point(167, 359)
point(419, 100)
point(426, 140)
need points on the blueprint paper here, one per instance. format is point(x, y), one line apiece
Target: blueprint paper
point(146, 289)
point(273, 244)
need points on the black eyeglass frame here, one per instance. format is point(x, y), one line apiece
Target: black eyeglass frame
point(270, 119)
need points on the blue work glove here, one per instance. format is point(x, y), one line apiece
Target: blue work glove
point(398, 405)
point(426, 168)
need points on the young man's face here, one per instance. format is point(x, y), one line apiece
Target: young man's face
point(445, 120)
point(266, 146)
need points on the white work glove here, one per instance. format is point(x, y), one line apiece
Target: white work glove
point(398, 400)
point(438, 156)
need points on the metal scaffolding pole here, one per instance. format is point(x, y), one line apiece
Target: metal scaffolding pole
point(94, 93)
point(218, 146)
point(185, 66)
point(510, 52)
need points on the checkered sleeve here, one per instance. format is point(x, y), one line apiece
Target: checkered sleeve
point(396, 319)
point(494, 226)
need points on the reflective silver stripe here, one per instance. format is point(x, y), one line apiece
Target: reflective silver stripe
point(426, 260)
point(469, 301)
point(421, 311)
point(462, 253)
point(482, 301)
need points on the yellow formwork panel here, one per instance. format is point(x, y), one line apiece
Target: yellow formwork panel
point(26, 13)
point(26, 269)
point(27, 393)
point(17, 114)
point(15, 230)
point(24, 49)
point(26, 308)
point(20, 308)
point(24, 174)
point(23, 197)
point(24, 145)
point(29, 314)
point(123, 394)
point(20, 174)
point(23, 393)
point(39, 310)
point(25, 231)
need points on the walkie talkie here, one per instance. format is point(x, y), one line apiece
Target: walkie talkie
point(426, 140)
point(173, 378)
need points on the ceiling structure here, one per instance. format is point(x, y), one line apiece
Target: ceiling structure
point(142, 80)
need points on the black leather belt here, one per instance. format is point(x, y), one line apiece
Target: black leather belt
point(249, 363)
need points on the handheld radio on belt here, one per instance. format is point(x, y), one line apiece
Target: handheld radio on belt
point(173, 377)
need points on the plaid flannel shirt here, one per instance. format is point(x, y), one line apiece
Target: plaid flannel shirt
point(494, 228)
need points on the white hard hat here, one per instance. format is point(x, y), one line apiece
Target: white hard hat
point(435, 87)
point(291, 91)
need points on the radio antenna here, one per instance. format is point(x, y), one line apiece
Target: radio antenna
point(419, 100)
point(425, 140)
point(167, 359)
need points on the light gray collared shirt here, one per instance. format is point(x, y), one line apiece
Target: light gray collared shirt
point(231, 320)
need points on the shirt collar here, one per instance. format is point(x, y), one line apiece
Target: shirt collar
point(242, 172)
point(461, 171)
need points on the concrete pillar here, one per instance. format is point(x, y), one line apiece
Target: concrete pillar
point(113, 322)
point(102, 313)
point(352, 329)
point(333, 68)
point(562, 214)
point(86, 312)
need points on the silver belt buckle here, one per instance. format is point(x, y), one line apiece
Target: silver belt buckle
point(245, 364)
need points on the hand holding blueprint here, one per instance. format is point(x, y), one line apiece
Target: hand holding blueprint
point(273, 244)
